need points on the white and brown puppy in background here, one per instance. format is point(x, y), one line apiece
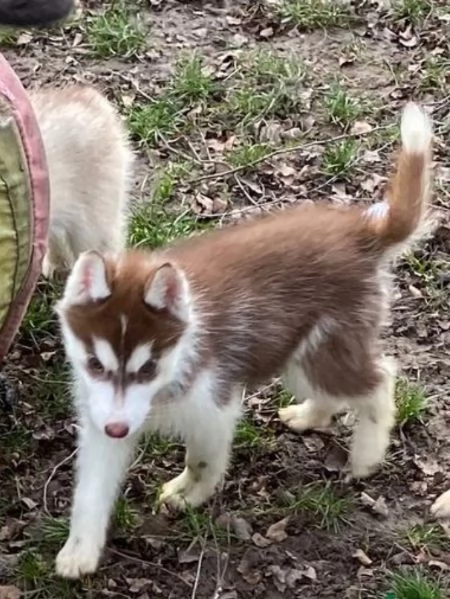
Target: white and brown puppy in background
point(168, 340)
point(89, 161)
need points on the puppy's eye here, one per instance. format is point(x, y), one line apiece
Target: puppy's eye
point(95, 366)
point(148, 369)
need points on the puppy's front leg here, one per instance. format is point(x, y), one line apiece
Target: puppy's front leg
point(101, 466)
point(208, 444)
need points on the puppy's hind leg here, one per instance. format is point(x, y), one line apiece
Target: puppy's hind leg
point(376, 417)
point(316, 409)
point(342, 371)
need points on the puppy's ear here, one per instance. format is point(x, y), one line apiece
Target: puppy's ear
point(168, 289)
point(88, 281)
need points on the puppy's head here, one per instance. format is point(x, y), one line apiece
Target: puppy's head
point(126, 324)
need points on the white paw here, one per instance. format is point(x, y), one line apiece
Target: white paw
point(441, 507)
point(305, 416)
point(77, 557)
point(48, 269)
point(183, 491)
point(360, 469)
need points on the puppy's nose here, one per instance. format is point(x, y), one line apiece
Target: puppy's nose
point(117, 430)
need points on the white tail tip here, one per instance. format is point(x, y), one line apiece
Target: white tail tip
point(415, 129)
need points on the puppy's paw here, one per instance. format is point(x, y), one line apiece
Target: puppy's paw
point(305, 416)
point(441, 507)
point(185, 491)
point(77, 557)
point(48, 269)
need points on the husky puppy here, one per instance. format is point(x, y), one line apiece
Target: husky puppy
point(167, 340)
point(89, 162)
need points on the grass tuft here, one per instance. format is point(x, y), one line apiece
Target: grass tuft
point(323, 502)
point(192, 83)
point(315, 14)
point(247, 154)
point(342, 108)
point(411, 401)
point(414, 11)
point(248, 435)
point(153, 226)
point(55, 531)
point(125, 516)
point(150, 123)
point(414, 585)
point(426, 536)
point(115, 32)
point(338, 158)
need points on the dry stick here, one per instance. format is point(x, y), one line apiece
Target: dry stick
point(144, 562)
point(52, 474)
point(280, 151)
point(198, 572)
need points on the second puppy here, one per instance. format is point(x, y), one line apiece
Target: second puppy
point(89, 162)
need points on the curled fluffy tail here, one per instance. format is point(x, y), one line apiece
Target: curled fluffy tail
point(395, 221)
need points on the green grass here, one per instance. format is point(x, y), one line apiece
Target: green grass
point(15, 441)
point(342, 109)
point(154, 445)
point(324, 504)
point(40, 319)
point(198, 524)
point(32, 567)
point(267, 84)
point(8, 37)
point(35, 575)
point(338, 158)
point(248, 153)
point(150, 123)
point(192, 83)
point(414, 585)
point(426, 536)
point(434, 74)
point(249, 436)
point(167, 179)
point(284, 398)
point(152, 226)
point(125, 516)
point(115, 32)
point(415, 11)
point(315, 14)
point(411, 402)
point(54, 531)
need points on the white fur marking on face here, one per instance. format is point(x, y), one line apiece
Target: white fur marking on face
point(141, 354)
point(105, 353)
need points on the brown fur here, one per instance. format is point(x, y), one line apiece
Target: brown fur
point(262, 287)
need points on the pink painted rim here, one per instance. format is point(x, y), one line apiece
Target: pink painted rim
point(13, 92)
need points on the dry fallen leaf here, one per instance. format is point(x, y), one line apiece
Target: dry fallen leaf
point(10, 592)
point(427, 465)
point(380, 507)
point(260, 541)
point(241, 528)
point(277, 531)
point(362, 557)
point(361, 128)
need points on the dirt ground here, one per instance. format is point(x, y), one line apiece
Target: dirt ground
point(212, 92)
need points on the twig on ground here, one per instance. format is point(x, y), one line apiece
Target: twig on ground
point(52, 474)
point(198, 572)
point(280, 151)
point(144, 562)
